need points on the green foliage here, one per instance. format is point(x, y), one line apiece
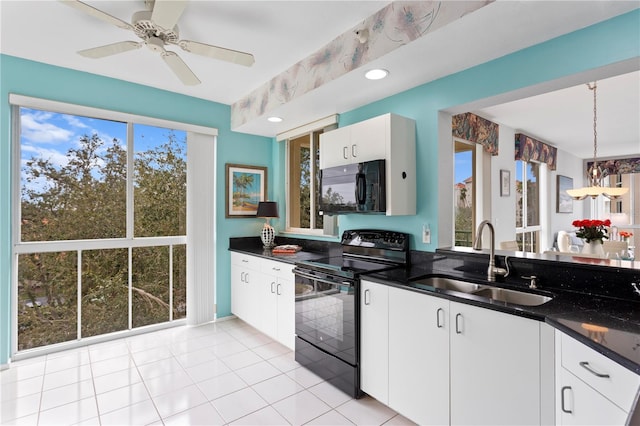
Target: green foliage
point(86, 199)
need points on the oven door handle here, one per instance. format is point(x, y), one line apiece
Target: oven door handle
point(313, 277)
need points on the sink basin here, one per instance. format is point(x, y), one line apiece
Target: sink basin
point(512, 296)
point(444, 283)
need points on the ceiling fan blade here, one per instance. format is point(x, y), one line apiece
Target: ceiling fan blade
point(180, 69)
point(110, 49)
point(167, 12)
point(90, 10)
point(240, 58)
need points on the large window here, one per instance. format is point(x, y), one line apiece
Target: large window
point(101, 227)
point(303, 194)
point(528, 206)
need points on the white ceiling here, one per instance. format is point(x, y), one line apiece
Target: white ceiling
point(281, 33)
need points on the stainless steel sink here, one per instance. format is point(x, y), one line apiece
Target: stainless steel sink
point(444, 283)
point(514, 297)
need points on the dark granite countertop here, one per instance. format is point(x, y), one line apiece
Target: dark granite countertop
point(574, 312)
point(570, 312)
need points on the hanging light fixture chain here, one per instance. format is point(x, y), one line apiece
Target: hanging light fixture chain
point(595, 120)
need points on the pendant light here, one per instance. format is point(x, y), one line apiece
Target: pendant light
point(596, 174)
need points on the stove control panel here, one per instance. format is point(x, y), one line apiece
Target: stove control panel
point(374, 238)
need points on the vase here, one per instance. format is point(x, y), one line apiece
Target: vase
point(594, 248)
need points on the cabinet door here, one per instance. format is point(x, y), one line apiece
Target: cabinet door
point(286, 311)
point(374, 340)
point(335, 147)
point(267, 317)
point(495, 367)
point(369, 139)
point(580, 404)
point(238, 291)
point(419, 356)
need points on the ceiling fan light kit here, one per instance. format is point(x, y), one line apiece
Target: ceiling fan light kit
point(158, 28)
point(596, 174)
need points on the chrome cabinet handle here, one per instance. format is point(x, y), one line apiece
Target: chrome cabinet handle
point(564, 388)
point(243, 277)
point(585, 365)
point(367, 301)
point(345, 152)
point(244, 261)
point(275, 269)
point(438, 323)
point(354, 150)
point(458, 331)
point(246, 277)
point(278, 289)
point(272, 284)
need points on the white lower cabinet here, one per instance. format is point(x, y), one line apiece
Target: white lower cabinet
point(277, 299)
point(374, 340)
point(494, 367)
point(590, 388)
point(245, 272)
point(262, 294)
point(450, 363)
point(419, 356)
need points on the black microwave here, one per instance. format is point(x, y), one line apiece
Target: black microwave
point(353, 188)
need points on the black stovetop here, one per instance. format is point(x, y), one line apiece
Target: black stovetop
point(345, 266)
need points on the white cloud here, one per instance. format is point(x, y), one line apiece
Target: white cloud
point(36, 129)
point(73, 121)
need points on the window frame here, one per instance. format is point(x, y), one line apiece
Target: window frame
point(525, 228)
point(129, 241)
point(314, 138)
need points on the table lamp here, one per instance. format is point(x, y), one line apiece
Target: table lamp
point(267, 209)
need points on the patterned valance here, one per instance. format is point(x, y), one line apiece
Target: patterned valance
point(530, 149)
point(619, 165)
point(476, 129)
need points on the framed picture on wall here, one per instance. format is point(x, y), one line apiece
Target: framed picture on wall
point(245, 186)
point(505, 183)
point(564, 203)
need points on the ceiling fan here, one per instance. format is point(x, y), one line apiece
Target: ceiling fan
point(157, 28)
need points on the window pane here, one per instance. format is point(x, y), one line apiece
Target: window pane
point(47, 299)
point(463, 194)
point(73, 177)
point(533, 195)
point(150, 284)
point(519, 195)
point(179, 282)
point(299, 182)
point(160, 183)
point(105, 291)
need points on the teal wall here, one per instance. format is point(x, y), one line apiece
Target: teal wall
point(603, 44)
point(606, 43)
point(44, 81)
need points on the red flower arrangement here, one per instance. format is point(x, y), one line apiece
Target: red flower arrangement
point(592, 230)
point(626, 234)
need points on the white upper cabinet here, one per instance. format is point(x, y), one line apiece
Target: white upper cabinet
point(387, 137)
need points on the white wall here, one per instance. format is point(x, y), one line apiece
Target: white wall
point(503, 212)
point(503, 208)
point(571, 166)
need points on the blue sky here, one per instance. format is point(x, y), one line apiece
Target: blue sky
point(50, 135)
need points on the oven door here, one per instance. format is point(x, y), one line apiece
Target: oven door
point(327, 314)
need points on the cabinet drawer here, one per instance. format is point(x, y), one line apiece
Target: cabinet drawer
point(604, 375)
point(244, 260)
point(278, 269)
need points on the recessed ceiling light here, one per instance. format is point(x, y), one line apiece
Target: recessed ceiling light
point(376, 74)
point(274, 119)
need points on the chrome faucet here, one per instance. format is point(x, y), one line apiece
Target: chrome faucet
point(477, 245)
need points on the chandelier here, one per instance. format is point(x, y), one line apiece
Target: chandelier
point(596, 174)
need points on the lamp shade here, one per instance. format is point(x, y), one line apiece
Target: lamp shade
point(267, 209)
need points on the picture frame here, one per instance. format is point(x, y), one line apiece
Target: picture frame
point(245, 187)
point(505, 183)
point(564, 202)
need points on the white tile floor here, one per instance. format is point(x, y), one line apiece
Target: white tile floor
point(216, 374)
